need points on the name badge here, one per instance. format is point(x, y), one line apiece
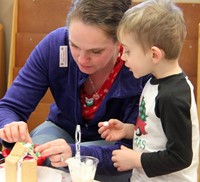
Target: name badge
point(63, 62)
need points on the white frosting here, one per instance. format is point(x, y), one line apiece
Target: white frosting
point(81, 171)
point(19, 164)
point(28, 145)
point(19, 170)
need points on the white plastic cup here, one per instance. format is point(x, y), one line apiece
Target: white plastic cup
point(82, 169)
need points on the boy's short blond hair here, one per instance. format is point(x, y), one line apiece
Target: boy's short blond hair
point(155, 23)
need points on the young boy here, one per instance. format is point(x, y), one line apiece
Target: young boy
point(166, 134)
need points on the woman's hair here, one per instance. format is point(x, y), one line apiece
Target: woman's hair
point(104, 14)
point(157, 23)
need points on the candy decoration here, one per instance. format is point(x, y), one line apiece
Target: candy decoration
point(40, 159)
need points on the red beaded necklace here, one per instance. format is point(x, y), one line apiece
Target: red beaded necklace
point(90, 103)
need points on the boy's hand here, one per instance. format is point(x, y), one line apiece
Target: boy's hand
point(113, 130)
point(126, 159)
point(15, 132)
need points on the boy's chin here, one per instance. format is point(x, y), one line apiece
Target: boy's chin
point(136, 75)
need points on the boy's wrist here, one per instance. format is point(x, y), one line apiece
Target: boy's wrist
point(128, 131)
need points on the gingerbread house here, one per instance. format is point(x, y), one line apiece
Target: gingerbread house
point(21, 164)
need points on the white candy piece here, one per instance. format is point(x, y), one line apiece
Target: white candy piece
point(105, 123)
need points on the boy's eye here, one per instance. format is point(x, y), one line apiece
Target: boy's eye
point(126, 52)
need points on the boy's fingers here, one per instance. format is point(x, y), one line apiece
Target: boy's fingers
point(105, 133)
point(123, 147)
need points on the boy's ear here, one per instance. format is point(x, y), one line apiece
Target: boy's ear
point(157, 54)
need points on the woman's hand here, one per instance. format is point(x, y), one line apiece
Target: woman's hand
point(112, 131)
point(126, 159)
point(15, 132)
point(58, 152)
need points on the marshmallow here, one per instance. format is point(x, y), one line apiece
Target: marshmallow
point(105, 123)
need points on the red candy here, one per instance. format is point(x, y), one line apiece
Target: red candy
point(28, 157)
point(6, 152)
point(41, 160)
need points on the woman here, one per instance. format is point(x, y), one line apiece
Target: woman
point(83, 68)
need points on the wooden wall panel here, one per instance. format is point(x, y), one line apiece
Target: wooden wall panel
point(188, 61)
point(192, 18)
point(198, 74)
point(188, 58)
point(42, 16)
point(2, 63)
point(15, 71)
point(25, 43)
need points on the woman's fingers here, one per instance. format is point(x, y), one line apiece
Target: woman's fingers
point(58, 160)
point(15, 132)
point(7, 134)
point(58, 152)
point(3, 135)
point(105, 133)
point(52, 147)
point(22, 131)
